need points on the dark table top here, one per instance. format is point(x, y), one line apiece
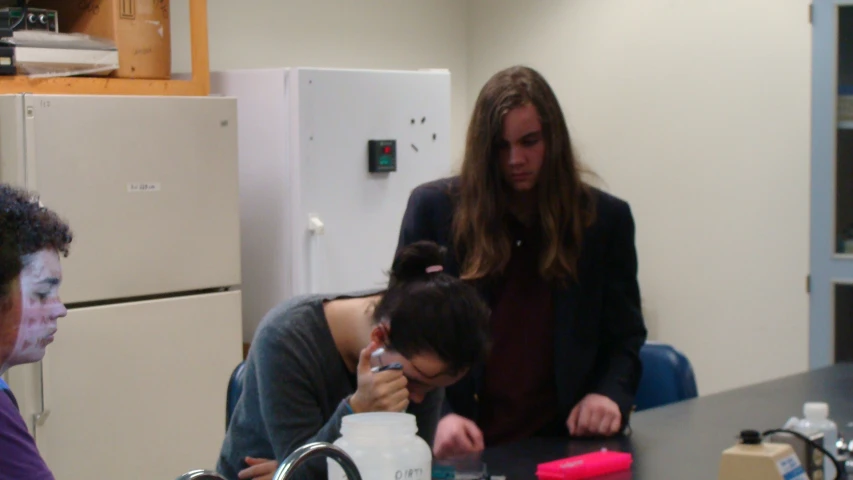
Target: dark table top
point(685, 440)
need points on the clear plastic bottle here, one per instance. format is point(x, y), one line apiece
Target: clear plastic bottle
point(817, 420)
point(383, 445)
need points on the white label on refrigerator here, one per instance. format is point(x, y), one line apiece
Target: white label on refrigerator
point(143, 187)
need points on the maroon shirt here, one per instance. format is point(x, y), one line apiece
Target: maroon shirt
point(519, 396)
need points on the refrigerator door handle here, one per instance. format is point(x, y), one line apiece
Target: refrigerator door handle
point(316, 228)
point(315, 225)
point(40, 418)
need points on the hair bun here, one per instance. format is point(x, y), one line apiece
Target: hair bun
point(412, 261)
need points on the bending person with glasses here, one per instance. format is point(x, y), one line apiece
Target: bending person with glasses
point(310, 362)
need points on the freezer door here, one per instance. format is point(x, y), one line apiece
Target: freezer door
point(149, 186)
point(139, 387)
point(346, 220)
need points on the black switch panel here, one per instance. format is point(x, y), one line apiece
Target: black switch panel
point(382, 156)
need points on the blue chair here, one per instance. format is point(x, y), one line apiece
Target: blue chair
point(667, 377)
point(235, 388)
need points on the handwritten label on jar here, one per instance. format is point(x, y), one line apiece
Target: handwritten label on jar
point(408, 474)
point(336, 472)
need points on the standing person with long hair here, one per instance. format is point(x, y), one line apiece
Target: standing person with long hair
point(557, 262)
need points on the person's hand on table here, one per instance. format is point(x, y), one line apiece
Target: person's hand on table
point(456, 436)
point(259, 469)
point(594, 415)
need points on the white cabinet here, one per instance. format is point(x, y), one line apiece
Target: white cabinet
point(134, 385)
point(139, 387)
point(304, 139)
point(149, 186)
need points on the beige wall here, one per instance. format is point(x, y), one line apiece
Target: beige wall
point(697, 113)
point(382, 34)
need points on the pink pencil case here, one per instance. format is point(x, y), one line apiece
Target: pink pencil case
point(584, 466)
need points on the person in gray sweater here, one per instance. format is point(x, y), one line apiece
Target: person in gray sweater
point(310, 362)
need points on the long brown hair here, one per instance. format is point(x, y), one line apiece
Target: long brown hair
point(565, 202)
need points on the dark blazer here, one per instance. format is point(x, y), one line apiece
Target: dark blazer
point(599, 323)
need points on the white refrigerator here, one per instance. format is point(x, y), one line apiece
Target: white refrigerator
point(315, 217)
point(134, 384)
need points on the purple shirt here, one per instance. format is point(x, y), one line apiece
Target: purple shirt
point(19, 456)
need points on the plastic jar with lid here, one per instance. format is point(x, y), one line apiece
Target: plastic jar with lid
point(383, 445)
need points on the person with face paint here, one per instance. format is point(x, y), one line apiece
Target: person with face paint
point(29, 309)
point(556, 260)
point(314, 360)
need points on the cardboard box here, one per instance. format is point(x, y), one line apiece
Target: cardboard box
point(140, 29)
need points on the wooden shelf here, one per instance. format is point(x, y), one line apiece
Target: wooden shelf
point(198, 85)
point(100, 86)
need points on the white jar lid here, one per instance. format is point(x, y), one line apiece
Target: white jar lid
point(816, 410)
point(379, 423)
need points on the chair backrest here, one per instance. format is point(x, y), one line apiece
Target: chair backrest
point(667, 377)
point(235, 388)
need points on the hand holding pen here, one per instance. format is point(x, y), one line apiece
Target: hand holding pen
point(381, 388)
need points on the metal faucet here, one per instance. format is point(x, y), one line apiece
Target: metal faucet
point(844, 453)
point(844, 448)
point(305, 452)
point(201, 475)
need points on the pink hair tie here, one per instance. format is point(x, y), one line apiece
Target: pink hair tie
point(434, 269)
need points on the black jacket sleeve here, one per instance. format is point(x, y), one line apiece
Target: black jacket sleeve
point(623, 328)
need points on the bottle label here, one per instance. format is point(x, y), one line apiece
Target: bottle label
point(411, 474)
point(791, 469)
point(383, 471)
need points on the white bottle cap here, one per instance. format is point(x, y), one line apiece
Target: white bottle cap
point(816, 410)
